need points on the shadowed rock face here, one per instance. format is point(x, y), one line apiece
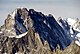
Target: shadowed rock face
point(44, 33)
point(49, 30)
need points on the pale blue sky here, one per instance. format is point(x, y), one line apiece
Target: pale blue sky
point(63, 8)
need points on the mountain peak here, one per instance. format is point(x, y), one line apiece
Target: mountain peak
point(30, 31)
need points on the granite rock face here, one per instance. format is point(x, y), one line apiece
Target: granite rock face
point(31, 32)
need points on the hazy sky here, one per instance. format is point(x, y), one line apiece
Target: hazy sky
point(63, 8)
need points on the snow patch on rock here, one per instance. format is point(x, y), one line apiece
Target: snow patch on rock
point(19, 36)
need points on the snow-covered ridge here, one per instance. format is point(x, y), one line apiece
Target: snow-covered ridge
point(71, 21)
point(74, 24)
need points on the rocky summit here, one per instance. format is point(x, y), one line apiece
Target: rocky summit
point(31, 32)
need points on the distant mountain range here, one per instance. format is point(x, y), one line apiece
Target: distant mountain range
point(31, 32)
